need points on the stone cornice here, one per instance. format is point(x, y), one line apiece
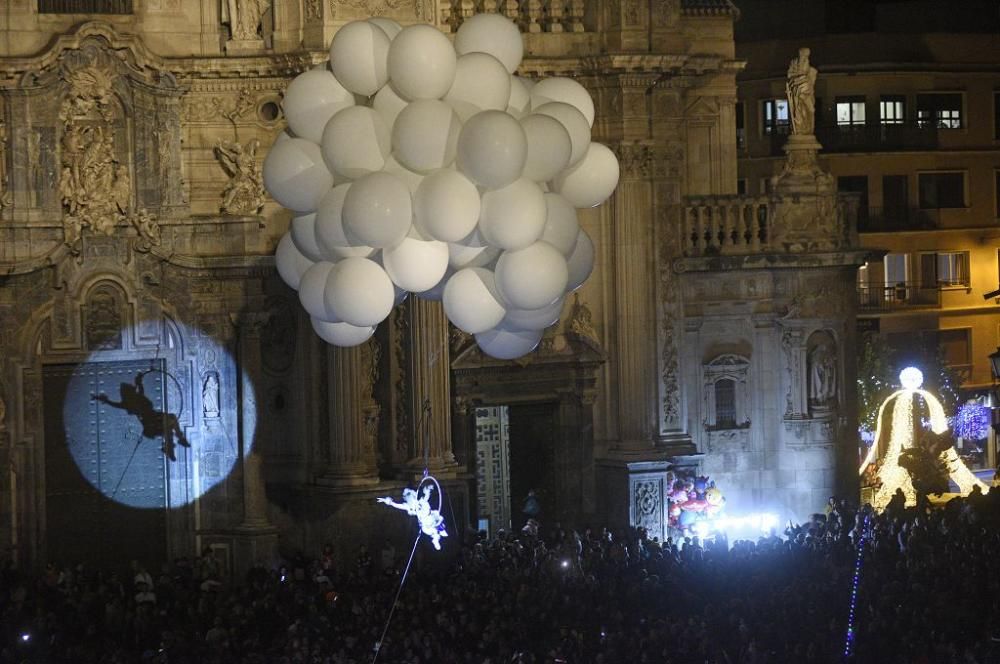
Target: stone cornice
point(773, 261)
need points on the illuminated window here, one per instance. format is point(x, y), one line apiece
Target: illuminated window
point(892, 110)
point(850, 111)
point(944, 269)
point(941, 190)
point(741, 132)
point(725, 403)
point(775, 116)
point(940, 110)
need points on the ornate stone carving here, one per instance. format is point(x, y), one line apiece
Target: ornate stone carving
point(4, 193)
point(821, 302)
point(241, 106)
point(244, 194)
point(800, 88)
point(314, 10)
point(374, 7)
point(371, 352)
point(647, 502)
point(244, 18)
point(400, 384)
point(581, 321)
point(148, 229)
point(822, 375)
point(634, 159)
point(105, 319)
point(210, 396)
point(666, 13)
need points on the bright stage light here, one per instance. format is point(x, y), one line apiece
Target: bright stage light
point(911, 378)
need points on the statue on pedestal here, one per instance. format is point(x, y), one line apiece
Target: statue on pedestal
point(801, 91)
point(245, 17)
point(822, 376)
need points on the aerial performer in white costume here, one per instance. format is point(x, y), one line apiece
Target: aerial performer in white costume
point(893, 476)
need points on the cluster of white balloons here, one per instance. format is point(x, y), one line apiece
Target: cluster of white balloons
point(415, 165)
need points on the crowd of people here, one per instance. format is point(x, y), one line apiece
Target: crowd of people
point(927, 593)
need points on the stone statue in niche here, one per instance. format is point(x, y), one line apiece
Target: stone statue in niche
point(244, 18)
point(822, 375)
point(210, 396)
point(801, 91)
point(244, 194)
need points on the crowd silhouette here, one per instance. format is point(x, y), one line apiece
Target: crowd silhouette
point(927, 593)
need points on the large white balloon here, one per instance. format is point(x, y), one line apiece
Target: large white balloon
point(513, 217)
point(492, 149)
point(411, 179)
point(390, 27)
point(303, 232)
point(290, 262)
point(425, 135)
point(533, 319)
point(416, 265)
point(359, 292)
point(331, 238)
point(493, 34)
point(549, 147)
point(575, 123)
point(519, 102)
point(422, 63)
point(471, 301)
point(461, 255)
point(378, 210)
point(342, 334)
point(311, 290)
point(581, 262)
point(591, 181)
point(561, 224)
point(446, 206)
point(506, 344)
point(312, 98)
point(481, 84)
point(436, 293)
point(533, 277)
point(295, 175)
point(389, 105)
point(356, 141)
point(566, 90)
point(359, 57)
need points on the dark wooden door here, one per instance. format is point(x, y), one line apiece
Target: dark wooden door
point(533, 434)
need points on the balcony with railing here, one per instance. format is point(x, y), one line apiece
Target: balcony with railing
point(532, 16)
point(901, 295)
point(895, 219)
point(726, 225)
point(871, 137)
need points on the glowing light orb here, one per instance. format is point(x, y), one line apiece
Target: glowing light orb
point(911, 378)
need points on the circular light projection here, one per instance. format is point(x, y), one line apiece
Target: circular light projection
point(911, 378)
point(145, 433)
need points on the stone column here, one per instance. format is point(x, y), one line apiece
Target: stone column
point(354, 415)
point(430, 396)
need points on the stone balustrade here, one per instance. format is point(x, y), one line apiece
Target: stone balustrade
point(726, 225)
point(532, 16)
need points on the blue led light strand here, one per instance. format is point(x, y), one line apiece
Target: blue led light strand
point(849, 637)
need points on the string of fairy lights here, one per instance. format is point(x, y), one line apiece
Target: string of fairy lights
point(849, 637)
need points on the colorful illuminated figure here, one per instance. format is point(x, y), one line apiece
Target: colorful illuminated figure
point(419, 505)
point(893, 476)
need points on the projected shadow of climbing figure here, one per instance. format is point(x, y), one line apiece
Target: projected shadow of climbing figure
point(155, 423)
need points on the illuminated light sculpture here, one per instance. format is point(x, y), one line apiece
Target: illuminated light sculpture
point(436, 150)
point(893, 476)
point(417, 503)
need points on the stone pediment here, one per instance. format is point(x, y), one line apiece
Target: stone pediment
point(557, 349)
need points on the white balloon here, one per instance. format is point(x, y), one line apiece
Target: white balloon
point(359, 56)
point(506, 344)
point(549, 147)
point(533, 277)
point(390, 27)
point(561, 224)
point(295, 175)
point(311, 290)
point(519, 102)
point(283, 136)
point(446, 206)
point(460, 255)
point(303, 232)
point(422, 63)
point(566, 90)
point(342, 334)
point(331, 238)
point(425, 135)
point(513, 217)
point(290, 262)
point(389, 105)
point(481, 84)
point(312, 98)
point(378, 210)
point(533, 319)
point(493, 34)
point(591, 181)
point(416, 265)
point(471, 301)
point(574, 122)
point(581, 262)
point(356, 142)
point(359, 292)
point(436, 293)
point(411, 179)
point(492, 149)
